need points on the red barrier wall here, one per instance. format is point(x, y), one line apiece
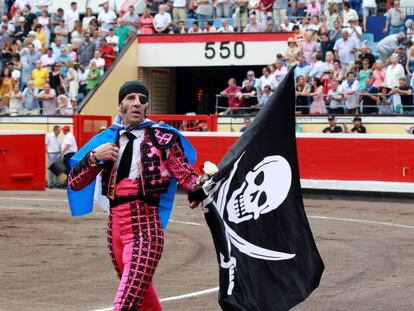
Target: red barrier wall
point(22, 161)
point(387, 158)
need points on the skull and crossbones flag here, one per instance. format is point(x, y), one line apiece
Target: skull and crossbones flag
point(253, 205)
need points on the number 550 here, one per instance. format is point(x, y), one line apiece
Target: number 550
point(224, 50)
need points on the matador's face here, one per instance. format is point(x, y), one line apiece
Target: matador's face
point(133, 108)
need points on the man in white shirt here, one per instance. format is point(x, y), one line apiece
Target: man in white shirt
point(345, 49)
point(162, 20)
point(387, 45)
point(71, 16)
point(112, 39)
point(355, 31)
point(69, 147)
point(99, 61)
point(349, 89)
point(267, 79)
point(253, 25)
point(286, 26)
point(318, 68)
point(53, 147)
point(348, 14)
point(106, 18)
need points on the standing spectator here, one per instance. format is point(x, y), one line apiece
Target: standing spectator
point(62, 61)
point(71, 16)
point(29, 63)
point(280, 72)
point(369, 9)
point(395, 19)
point(335, 33)
point(29, 17)
point(48, 59)
point(44, 20)
point(267, 79)
point(73, 85)
point(179, 10)
point(348, 14)
point(265, 96)
point(349, 89)
point(106, 18)
point(355, 31)
point(95, 38)
point(48, 98)
point(62, 31)
point(69, 147)
point(204, 11)
point(83, 80)
point(345, 49)
point(57, 45)
point(19, 30)
point(131, 19)
point(225, 27)
point(86, 51)
point(331, 14)
point(223, 8)
point(308, 47)
point(248, 95)
point(280, 8)
point(302, 92)
point(16, 101)
point(86, 20)
point(318, 67)
point(369, 96)
point(240, 14)
point(253, 25)
point(108, 53)
point(112, 39)
point(254, 82)
point(41, 37)
point(394, 72)
point(318, 103)
point(264, 10)
point(231, 91)
point(292, 49)
point(6, 86)
point(365, 53)
point(31, 104)
point(53, 149)
point(39, 75)
point(64, 107)
point(302, 69)
point(406, 96)
point(162, 20)
point(385, 104)
point(99, 61)
point(122, 32)
point(146, 23)
point(364, 73)
point(55, 20)
point(93, 77)
point(327, 45)
point(378, 73)
point(76, 36)
point(332, 128)
point(314, 9)
point(387, 45)
point(334, 99)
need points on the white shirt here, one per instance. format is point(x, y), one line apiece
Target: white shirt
point(106, 19)
point(351, 100)
point(136, 159)
point(369, 3)
point(389, 43)
point(99, 62)
point(351, 14)
point(393, 75)
point(53, 144)
point(21, 3)
point(288, 27)
point(114, 41)
point(344, 49)
point(318, 69)
point(270, 81)
point(70, 18)
point(69, 140)
point(179, 3)
point(162, 20)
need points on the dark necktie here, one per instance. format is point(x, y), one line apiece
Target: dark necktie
point(125, 163)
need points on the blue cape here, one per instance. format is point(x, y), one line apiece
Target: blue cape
point(81, 201)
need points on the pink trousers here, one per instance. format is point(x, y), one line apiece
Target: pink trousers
point(135, 240)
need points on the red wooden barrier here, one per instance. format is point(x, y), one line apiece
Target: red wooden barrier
point(86, 126)
point(389, 158)
point(22, 160)
point(190, 123)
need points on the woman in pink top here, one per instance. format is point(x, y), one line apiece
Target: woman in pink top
point(146, 26)
point(378, 73)
point(318, 104)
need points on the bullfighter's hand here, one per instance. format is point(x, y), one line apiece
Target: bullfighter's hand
point(106, 152)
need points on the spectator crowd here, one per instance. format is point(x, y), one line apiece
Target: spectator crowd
point(49, 61)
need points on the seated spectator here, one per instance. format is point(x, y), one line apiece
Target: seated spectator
point(235, 103)
point(31, 38)
point(162, 20)
point(265, 96)
point(248, 95)
point(253, 25)
point(31, 104)
point(387, 45)
point(225, 26)
point(355, 31)
point(194, 28)
point(357, 126)
point(287, 25)
point(76, 36)
point(314, 9)
point(349, 89)
point(297, 33)
point(48, 98)
point(269, 26)
point(369, 96)
point(56, 46)
point(395, 17)
point(246, 122)
point(327, 45)
point(16, 101)
point(338, 73)
point(55, 19)
point(318, 104)
point(179, 28)
point(332, 14)
point(292, 49)
point(19, 30)
point(385, 104)
point(112, 39)
point(208, 27)
point(365, 53)
point(332, 128)
point(334, 99)
point(314, 25)
point(280, 72)
point(146, 22)
point(93, 77)
point(318, 67)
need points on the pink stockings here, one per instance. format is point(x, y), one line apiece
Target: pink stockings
point(135, 239)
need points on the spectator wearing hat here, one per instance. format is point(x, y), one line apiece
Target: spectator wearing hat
point(357, 126)
point(19, 29)
point(292, 49)
point(395, 17)
point(334, 99)
point(385, 103)
point(369, 96)
point(345, 49)
point(332, 128)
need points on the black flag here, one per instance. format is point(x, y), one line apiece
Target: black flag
point(267, 256)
